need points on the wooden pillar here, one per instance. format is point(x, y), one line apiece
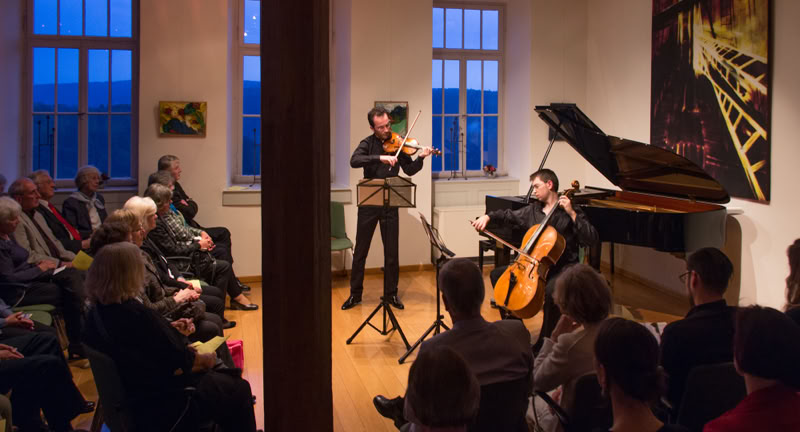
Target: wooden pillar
point(295, 215)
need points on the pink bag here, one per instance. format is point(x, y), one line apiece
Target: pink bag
point(236, 347)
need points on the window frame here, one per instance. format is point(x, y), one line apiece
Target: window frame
point(242, 50)
point(463, 55)
point(83, 44)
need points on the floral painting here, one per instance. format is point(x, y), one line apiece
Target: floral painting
point(182, 118)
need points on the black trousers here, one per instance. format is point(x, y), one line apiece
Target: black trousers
point(551, 312)
point(40, 380)
point(221, 275)
point(221, 237)
point(214, 298)
point(368, 218)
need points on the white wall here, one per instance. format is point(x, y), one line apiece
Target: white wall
point(618, 100)
point(11, 84)
point(186, 49)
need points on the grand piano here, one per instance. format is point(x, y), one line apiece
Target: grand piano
point(666, 202)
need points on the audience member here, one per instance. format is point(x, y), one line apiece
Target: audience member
point(443, 393)
point(85, 209)
point(33, 233)
point(767, 355)
point(68, 235)
point(584, 299)
point(495, 352)
point(154, 361)
point(793, 282)
point(173, 238)
point(42, 286)
point(705, 336)
point(626, 361)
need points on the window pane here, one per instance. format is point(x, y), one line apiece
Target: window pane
point(436, 84)
point(251, 85)
point(436, 163)
point(98, 80)
point(68, 80)
point(120, 81)
point(474, 143)
point(98, 142)
point(121, 18)
point(490, 87)
point(120, 146)
point(453, 28)
point(96, 17)
point(44, 78)
point(451, 86)
point(44, 17)
point(490, 141)
point(43, 142)
point(251, 145)
point(71, 18)
point(451, 150)
point(490, 23)
point(473, 86)
point(438, 28)
point(252, 21)
point(67, 145)
point(472, 29)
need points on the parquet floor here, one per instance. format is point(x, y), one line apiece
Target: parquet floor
point(368, 366)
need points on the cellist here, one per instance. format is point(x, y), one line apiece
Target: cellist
point(570, 222)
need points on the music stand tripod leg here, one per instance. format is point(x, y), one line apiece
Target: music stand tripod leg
point(364, 324)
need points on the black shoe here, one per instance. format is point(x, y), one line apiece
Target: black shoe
point(394, 301)
point(87, 407)
point(245, 307)
point(243, 287)
point(391, 409)
point(493, 304)
point(228, 324)
point(351, 302)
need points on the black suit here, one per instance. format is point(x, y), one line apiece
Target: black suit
point(76, 213)
point(59, 230)
point(704, 337)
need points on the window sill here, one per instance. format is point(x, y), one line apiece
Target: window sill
point(242, 196)
point(472, 191)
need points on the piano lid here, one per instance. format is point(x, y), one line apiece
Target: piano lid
point(631, 165)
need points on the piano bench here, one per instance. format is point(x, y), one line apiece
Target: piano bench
point(483, 246)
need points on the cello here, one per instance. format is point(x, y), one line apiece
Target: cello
point(521, 288)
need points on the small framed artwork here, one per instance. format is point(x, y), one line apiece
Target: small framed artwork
point(398, 115)
point(182, 119)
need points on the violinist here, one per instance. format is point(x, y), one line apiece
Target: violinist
point(570, 222)
point(371, 156)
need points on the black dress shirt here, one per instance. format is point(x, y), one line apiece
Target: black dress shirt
point(704, 337)
point(368, 156)
point(575, 233)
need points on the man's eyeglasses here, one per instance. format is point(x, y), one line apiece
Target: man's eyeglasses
point(683, 276)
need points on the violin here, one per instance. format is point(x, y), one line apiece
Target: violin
point(411, 146)
point(521, 287)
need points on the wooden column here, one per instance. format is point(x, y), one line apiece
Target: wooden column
point(295, 215)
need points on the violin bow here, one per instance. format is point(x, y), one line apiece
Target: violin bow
point(399, 149)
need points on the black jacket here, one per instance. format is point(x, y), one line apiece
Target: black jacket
point(76, 213)
point(59, 230)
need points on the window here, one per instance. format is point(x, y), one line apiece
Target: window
point(465, 81)
point(83, 87)
point(250, 95)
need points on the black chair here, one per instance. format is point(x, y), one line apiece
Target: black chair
point(112, 407)
point(710, 391)
point(503, 406)
point(589, 409)
point(484, 246)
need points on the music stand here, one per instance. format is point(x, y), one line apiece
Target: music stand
point(444, 255)
point(388, 192)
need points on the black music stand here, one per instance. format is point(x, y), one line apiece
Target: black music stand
point(388, 192)
point(444, 255)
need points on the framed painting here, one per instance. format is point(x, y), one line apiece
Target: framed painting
point(398, 115)
point(182, 119)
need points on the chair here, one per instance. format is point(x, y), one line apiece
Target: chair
point(112, 406)
point(589, 409)
point(484, 246)
point(339, 239)
point(502, 407)
point(41, 313)
point(710, 391)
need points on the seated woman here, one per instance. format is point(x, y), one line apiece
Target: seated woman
point(626, 361)
point(174, 239)
point(85, 209)
point(154, 361)
point(583, 297)
point(793, 282)
point(64, 291)
point(767, 354)
point(168, 276)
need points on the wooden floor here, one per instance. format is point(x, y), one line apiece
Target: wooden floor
point(368, 366)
